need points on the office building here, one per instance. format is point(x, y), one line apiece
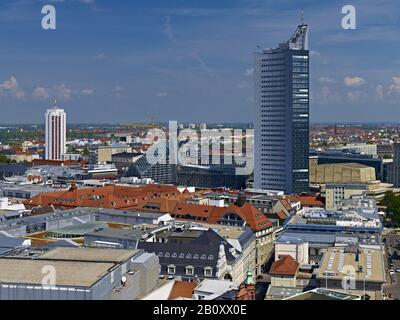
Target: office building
point(216, 176)
point(81, 274)
point(155, 164)
point(336, 193)
point(394, 168)
point(363, 148)
point(384, 150)
point(361, 269)
point(282, 115)
point(359, 225)
point(56, 135)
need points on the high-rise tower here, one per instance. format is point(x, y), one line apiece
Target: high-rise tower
point(282, 115)
point(55, 133)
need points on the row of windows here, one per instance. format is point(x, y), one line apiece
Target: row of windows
point(187, 256)
point(299, 75)
point(189, 270)
point(273, 84)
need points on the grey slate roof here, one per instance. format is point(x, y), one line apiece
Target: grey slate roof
point(201, 252)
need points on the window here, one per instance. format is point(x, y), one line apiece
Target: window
point(171, 269)
point(208, 271)
point(188, 256)
point(189, 271)
point(174, 255)
point(160, 254)
point(181, 255)
point(203, 257)
point(167, 255)
point(195, 256)
point(210, 257)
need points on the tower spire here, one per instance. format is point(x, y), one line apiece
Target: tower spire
point(55, 103)
point(302, 17)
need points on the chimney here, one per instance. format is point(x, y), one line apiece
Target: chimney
point(241, 201)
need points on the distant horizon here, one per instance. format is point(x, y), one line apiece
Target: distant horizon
point(194, 122)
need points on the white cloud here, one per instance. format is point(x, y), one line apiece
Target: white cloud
point(249, 72)
point(202, 64)
point(326, 95)
point(242, 85)
point(118, 88)
point(168, 30)
point(395, 85)
point(326, 80)
point(355, 96)
point(100, 56)
point(10, 87)
point(40, 92)
point(162, 94)
point(315, 53)
point(87, 92)
point(62, 91)
point(354, 81)
point(379, 91)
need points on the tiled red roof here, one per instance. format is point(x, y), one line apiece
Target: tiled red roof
point(195, 210)
point(182, 289)
point(116, 197)
point(253, 217)
point(306, 201)
point(281, 215)
point(285, 266)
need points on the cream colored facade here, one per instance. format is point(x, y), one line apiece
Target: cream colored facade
point(283, 281)
point(297, 250)
point(104, 153)
point(22, 157)
point(340, 173)
point(335, 193)
point(265, 240)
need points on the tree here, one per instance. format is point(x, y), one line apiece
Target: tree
point(392, 203)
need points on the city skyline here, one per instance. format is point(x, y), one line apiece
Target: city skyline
point(157, 62)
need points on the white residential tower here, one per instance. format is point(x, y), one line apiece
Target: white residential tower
point(55, 133)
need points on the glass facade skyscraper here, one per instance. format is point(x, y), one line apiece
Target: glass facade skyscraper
point(282, 115)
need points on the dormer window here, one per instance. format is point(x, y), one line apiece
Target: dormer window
point(208, 271)
point(171, 269)
point(189, 270)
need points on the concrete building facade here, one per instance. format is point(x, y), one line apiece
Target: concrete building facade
point(56, 133)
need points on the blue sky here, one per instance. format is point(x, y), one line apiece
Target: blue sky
point(191, 60)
